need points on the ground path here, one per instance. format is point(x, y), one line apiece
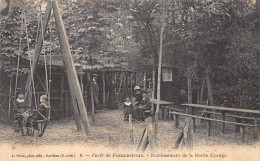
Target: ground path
point(111, 131)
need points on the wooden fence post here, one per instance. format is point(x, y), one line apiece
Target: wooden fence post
point(242, 132)
point(151, 134)
point(238, 120)
point(193, 120)
point(166, 114)
point(255, 129)
point(176, 120)
point(131, 129)
point(208, 127)
point(223, 124)
point(36, 138)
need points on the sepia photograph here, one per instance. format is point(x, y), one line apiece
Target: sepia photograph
point(129, 80)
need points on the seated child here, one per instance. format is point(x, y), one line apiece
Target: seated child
point(19, 108)
point(41, 114)
point(127, 108)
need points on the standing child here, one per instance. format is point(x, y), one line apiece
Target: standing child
point(127, 108)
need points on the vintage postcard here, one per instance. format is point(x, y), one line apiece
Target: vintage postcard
point(129, 80)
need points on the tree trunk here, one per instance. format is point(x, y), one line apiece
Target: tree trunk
point(210, 92)
point(131, 84)
point(202, 91)
point(10, 99)
point(92, 98)
point(153, 94)
point(104, 91)
point(258, 49)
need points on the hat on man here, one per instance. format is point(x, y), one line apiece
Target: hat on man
point(136, 88)
point(44, 97)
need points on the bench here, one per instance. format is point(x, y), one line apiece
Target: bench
point(242, 125)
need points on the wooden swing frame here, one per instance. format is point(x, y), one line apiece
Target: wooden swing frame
point(76, 94)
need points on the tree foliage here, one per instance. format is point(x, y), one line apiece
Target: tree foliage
point(121, 34)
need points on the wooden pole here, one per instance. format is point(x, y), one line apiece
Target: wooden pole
point(62, 95)
point(38, 98)
point(38, 47)
point(202, 91)
point(10, 98)
point(242, 132)
point(145, 81)
point(76, 113)
point(193, 120)
point(36, 138)
point(151, 134)
point(223, 118)
point(208, 128)
point(176, 120)
point(136, 79)
point(73, 105)
point(160, 69)
point(258, 43)
point(255, 129)
point(67, 104)
point(189, 87)
point(131, 84)
point(81, 83)
point(104, 91)
point(143, 142)
point(92, 98)
point(153, 93)
point(131, 129)
point(210, 92)
point(71, 71)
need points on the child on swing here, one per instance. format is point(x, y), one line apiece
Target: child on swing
point(19, 108)
point(40, 114)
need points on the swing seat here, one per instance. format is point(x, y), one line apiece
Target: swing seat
point(40, 121)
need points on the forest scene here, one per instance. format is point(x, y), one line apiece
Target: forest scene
point(138, 75)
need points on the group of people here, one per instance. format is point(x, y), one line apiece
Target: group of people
point(137, 106)
point(23, 117)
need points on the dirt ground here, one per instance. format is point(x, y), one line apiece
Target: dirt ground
point(111, 130)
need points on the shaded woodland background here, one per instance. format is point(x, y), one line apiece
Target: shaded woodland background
point(214, 39)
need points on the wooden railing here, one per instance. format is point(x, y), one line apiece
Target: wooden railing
point(192, 109)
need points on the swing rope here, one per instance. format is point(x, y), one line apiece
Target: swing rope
point(18, 60)
point(49, 99)
point(46, 70)
point(44, 56)
point(28, 47)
